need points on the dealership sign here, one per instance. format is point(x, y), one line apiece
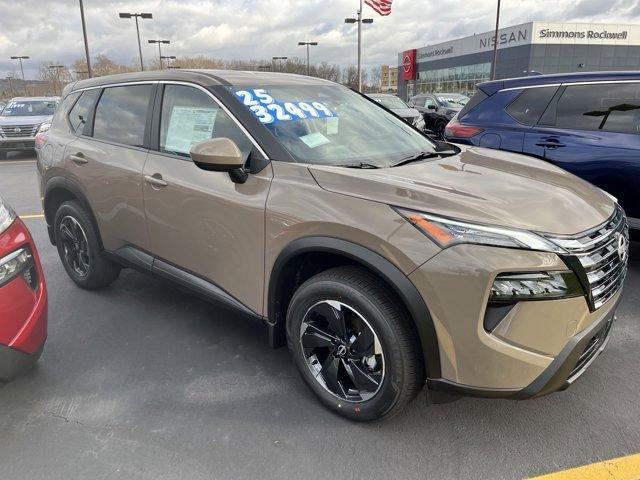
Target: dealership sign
point(409, 65)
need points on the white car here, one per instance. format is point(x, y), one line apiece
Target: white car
point(21, 119)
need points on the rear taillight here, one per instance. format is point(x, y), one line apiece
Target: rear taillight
point(41, 136)
point(455, 129)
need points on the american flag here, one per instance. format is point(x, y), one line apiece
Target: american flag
point(382, 7)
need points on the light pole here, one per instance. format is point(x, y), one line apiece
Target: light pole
point(57, 82)
point(168, 58)
point(160, 42)
point(86, 43)
point(21, 57)
point(495, 44)
point(81, 73)
point(278, 62)
point(308, 44)
point(136, 15)
point(359, 20)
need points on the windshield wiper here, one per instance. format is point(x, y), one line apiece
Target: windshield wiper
point(362, 165)
point(415, 158)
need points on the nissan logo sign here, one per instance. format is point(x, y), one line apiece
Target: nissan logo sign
point(407, 63)
point(623, 247)
point(16, 130)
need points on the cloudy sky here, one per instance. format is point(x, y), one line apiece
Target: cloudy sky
point(50, 30)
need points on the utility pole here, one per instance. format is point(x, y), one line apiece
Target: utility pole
point(308, 44)
point(359, 20)
point(86, 43)
point(160, 42)
point(22, 57)
point(495, 44)
point(136, 15)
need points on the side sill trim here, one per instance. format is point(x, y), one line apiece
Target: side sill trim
point(136, 258)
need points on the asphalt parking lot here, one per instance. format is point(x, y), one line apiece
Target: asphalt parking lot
point(142, 381)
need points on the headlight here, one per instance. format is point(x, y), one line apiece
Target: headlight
point(535, 286)
point(18, 263)
point(7, 216)
point(446, 232)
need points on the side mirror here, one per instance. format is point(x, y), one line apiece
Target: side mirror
point(217, 155)
point(431, 106)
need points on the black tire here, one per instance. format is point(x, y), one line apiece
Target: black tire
point(439, 129)
point(96, 271)
point(361, 291)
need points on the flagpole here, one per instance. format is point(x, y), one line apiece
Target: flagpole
point(360, 48)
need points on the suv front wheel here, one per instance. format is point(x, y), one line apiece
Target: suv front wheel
point(79, 249)
point(354, 345)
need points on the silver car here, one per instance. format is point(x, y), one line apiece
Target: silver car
point(21, 119)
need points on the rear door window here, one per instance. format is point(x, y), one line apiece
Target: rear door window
point(79, 114)
point(613, 107)
point(121, 114)
point(531, 104)
point(418, 101)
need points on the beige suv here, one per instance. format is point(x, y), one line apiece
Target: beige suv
point(382, 258)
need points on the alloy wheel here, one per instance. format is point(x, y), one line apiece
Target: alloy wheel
point(75, 246)
point(342, 351)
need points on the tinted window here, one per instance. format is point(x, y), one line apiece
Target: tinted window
point(418, 101)
point(478, 98)
point(59, 119)
point(611, 107)
point(190, 116)
point(531, 104)
point(429, 101)
point(79, 114)
point(121, 114)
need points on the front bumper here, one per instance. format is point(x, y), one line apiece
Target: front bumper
point(14, 363)
point(17, 144)
point(535, 347)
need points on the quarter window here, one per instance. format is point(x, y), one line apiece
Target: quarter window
point(190, 116)
point(121, 114)
point(611, 107)
point(79, 114)
point(531, 104)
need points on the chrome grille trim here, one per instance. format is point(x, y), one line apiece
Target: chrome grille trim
point(8, 131)
point(596, 252)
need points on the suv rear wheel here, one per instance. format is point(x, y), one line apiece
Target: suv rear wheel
point(79, 249)
point(354, 345)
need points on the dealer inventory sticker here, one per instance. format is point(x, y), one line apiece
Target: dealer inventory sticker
point(188, 126)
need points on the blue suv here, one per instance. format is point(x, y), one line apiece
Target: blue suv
point(586, 123)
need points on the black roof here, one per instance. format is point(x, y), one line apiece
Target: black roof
point(550, 79)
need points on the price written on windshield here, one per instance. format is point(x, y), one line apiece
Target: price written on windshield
point(269, 110)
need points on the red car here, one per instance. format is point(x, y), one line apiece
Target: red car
point(23, 297)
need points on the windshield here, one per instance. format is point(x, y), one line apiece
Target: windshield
point(29, 108)
point(332, 125)
point(453, 101)
point(391, 102)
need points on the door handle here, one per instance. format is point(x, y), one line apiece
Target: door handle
point(78, 159)
point(155, 180)
point(550, 143)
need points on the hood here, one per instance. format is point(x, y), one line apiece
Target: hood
point(482, 186)
point(25, 120)
point(406, 112)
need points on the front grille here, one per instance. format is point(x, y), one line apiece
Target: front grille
point(13, 131)
point(600, 256)
point(592, 349)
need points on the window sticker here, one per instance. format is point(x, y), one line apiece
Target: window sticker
point(269, 110)
point(332, 125)
point(188, 126)
point(314, 140)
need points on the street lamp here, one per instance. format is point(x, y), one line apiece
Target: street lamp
point(359, 20)
point(495, 44)
point(168, 58)
point(278, 61)
point(10, 78)
point(308, 44)
point(21, 57)
point(160, 42)
point(81, 73)
point(86, 43)
point(57, 69)
point(136, 15)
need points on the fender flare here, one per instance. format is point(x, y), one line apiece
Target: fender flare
point(401, 284)
point(62, 183)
